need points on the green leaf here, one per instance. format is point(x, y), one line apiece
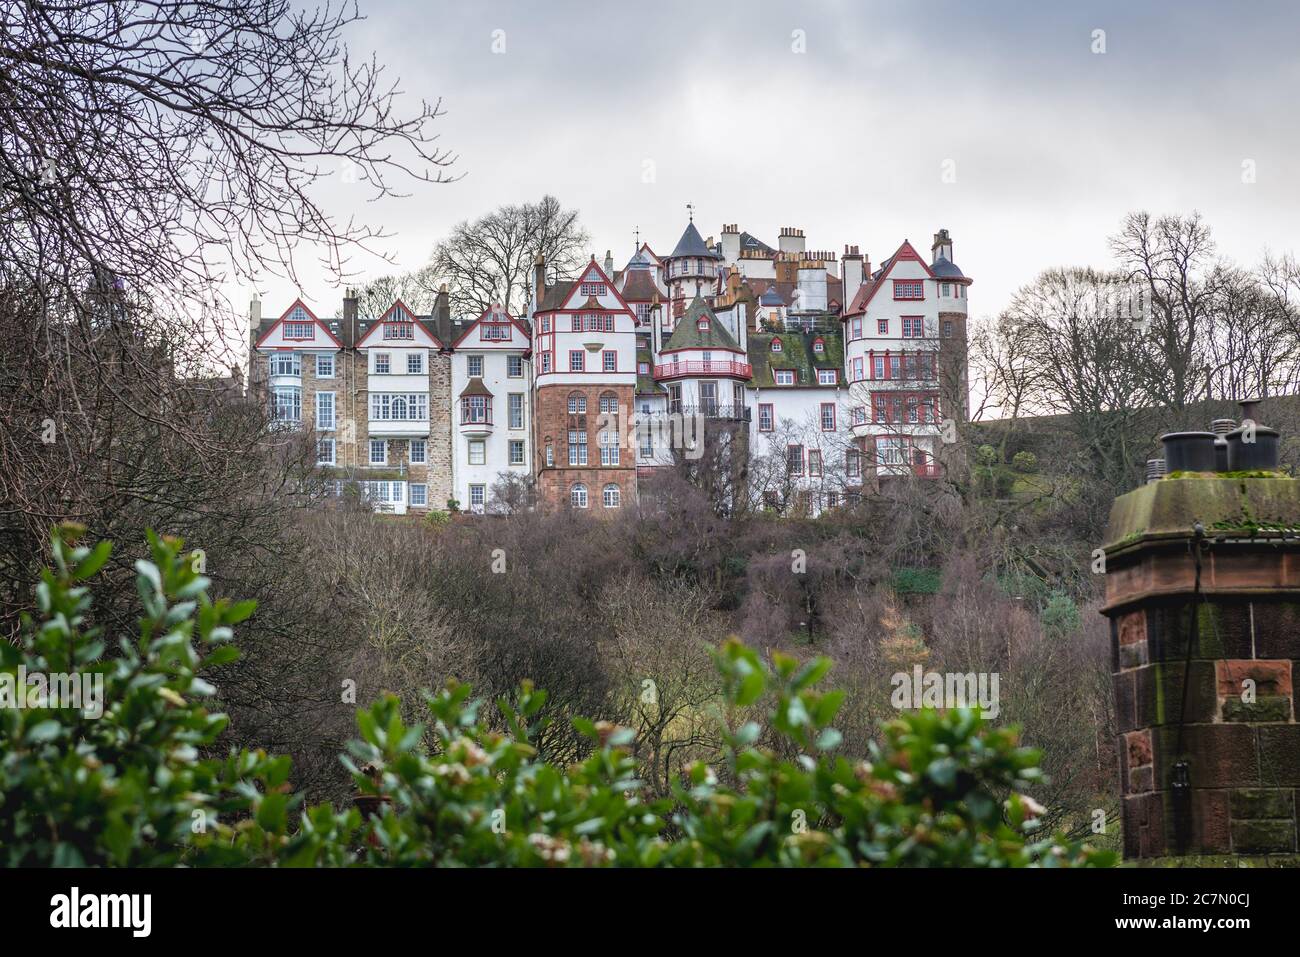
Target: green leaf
point(751, 688)
point(44, 731)
point(829, 738)
point(93, 562)
point(943, 772)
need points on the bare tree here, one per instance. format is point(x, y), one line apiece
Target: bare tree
point(1087, 366)
point(490, 260)
point(418, 289)
point(1006, 372)
point(1171, 258)
point(160, 143)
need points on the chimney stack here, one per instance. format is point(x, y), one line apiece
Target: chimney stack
point(254, 313)
point(852, 270)
point(791, 240)
point(609, 265)
point(539, 280)
point(942, 247)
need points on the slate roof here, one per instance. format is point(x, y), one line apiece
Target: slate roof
point(640, 286)
point(692, 244)
point(689, 335)
point(785, 290)
point(859, 303)
point(646, 384)
point(475, 386)
point(796, 353)
point(946, 269)
point(554, 296)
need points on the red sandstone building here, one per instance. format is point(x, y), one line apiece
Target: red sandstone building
point(584, 367)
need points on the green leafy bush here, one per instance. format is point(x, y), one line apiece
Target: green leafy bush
point(1024, 462)
point(1060, 615)
point(917, 581)
point(137, 786)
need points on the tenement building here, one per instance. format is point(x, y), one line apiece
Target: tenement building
point(827, 374)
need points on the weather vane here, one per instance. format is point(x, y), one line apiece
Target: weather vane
point(690, 211)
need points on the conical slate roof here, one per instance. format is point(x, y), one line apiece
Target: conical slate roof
point(945, 269)
point(692, 244)
point(689, 335)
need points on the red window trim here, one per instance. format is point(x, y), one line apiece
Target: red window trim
point(908, 320)
point(882, 401)
point(609, 352)
point(577, 352)
point(771, 417)
point(909, 282)
point(821, 417)
point(800, 470)
point(818, 453)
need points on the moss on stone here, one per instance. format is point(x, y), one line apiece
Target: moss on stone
point(1265, 505)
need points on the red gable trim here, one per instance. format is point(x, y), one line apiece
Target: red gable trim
point(311, 315)
point(904, 253)
point(379, 324)
point(474, 325)
point(583, 277)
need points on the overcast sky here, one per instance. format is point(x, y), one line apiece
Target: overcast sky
point(1049, 142)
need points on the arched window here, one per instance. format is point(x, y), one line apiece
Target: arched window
point(578, 496)
point(612, 497)
point(399, 407)
point(577, 403)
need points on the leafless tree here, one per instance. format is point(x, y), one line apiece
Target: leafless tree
point(1086, 368)
point(417, 289)
point(490, 260)
point(162, 144)
point(1171, 260)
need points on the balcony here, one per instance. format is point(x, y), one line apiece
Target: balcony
point(398, 428)
point(678, 370)
point(476, 425)
point(714, 410)
point(927, 470)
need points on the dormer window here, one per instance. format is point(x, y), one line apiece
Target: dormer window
point(819, 345)
point(702, 324)
point(783, 376)
point(776, 345)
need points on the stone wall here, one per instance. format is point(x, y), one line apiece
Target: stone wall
point(552, 422)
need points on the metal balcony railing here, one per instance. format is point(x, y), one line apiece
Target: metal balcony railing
point(714, 410)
